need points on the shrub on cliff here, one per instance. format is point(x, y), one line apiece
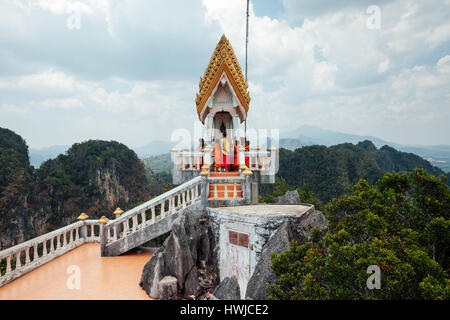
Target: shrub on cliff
point(95, 175)
point(401, 225)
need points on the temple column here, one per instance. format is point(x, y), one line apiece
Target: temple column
point(236, 127)
point(209, 129)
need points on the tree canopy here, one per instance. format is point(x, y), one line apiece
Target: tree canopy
point(400, 224)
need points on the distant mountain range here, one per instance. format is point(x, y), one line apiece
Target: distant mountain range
point(38, 156)
point(332, 171)
point(438, 155)
point(154, 148)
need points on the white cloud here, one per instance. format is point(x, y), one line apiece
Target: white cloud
point(46, 80)
point(10, 108)
point(61, 7)
point(383, 66)
point(326, 68)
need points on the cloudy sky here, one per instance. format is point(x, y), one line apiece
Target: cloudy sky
point(129, 70)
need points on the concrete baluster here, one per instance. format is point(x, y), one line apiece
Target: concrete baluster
point(18, 262)
point(135, 221)
point(144, 220)
point(35, 252)
point(115, 232)
point(52, 247)
point(153, 214)
point(8, 264)
point(27, 255)
point(58, 244)
point(125, 227)
point(44, 246)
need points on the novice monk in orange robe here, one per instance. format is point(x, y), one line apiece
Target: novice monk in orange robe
point(236, 155)
point(217, 156)
point(226, 150)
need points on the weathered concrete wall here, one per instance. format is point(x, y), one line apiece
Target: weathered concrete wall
point(217, 203)
point(259, 222)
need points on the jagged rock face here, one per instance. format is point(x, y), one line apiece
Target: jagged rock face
point(228, 289)
point(93, 177)
point(108, 181)
point(188, 254)
point(290, 197)
point(278, 243)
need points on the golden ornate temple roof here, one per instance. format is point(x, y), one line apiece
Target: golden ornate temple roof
point(222, 60)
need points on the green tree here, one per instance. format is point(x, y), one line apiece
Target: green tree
point(400, 224)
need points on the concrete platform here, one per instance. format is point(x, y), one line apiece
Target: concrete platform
point(242, 231)
point(111, 278)
point(268, 210)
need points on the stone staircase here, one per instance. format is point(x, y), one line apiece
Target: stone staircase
point(133, 228)
point(152, 218)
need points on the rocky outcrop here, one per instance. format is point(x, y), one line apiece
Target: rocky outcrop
point(93, 177)
point(290, 197)
point(228, 289)
point(188, 254)
point(168, 286)
point(278, 243)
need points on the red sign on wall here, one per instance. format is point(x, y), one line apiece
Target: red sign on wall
point(238, 239)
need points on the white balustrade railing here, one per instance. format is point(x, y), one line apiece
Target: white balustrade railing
point(154, 210)
point(189, 160)
point(258, 160)
point(24, 257)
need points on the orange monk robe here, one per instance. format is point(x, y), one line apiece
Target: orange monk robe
point(236, 156)
point(217, 156)
point(247, 149)
point(226, 150)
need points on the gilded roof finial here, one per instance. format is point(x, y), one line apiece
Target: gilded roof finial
point(222, 60)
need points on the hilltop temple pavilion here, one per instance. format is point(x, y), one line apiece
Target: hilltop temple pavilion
point(222, 106)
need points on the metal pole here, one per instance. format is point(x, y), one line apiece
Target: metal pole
point(246, 54)
point(246, 40)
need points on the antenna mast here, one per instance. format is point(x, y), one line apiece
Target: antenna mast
point(246, 40)
point(246, 53)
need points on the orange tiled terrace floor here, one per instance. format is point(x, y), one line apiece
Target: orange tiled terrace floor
point(110, 278)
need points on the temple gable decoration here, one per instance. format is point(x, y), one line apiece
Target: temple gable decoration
point(223, 74)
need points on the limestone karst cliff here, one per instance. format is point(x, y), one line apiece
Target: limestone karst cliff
point(93, 177)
